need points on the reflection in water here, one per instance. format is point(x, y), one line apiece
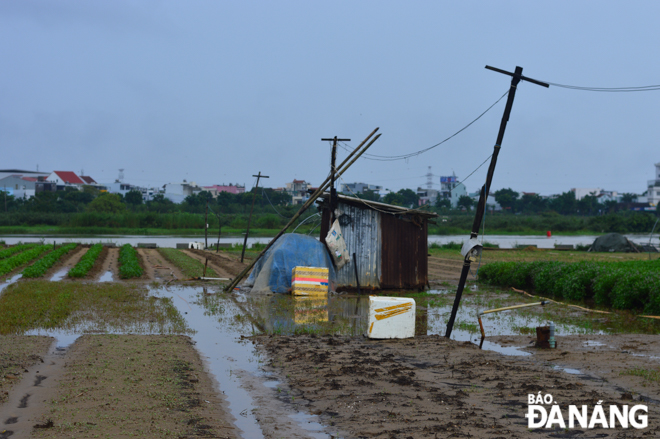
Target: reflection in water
point(59, 275)
point(107, 277)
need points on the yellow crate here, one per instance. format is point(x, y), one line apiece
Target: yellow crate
point(308, 281)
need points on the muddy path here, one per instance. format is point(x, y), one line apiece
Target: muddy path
point(222, 264)
point(109, 263)
point(614, 359)
point(429, 387)
point(157, 268)
point(58, 271)
point(121, 386)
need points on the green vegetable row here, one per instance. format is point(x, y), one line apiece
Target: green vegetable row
point(129, 265)
point(620, 285)
point(9, 264)
point(5, 253)
point(190, 267)
point(86, 262)
point(40, 267)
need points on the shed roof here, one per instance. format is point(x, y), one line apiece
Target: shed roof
point(87, 179)
point(381, 207)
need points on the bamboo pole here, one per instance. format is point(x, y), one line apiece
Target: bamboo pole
point(305, 206)
point(524, 305)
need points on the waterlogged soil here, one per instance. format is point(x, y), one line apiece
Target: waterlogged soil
point(17, 354)
point(157, 268)
point(223, 264)
point(430, 387)
point(134, 386)
point(626, 361)
point(66, 262)
point(110, 262)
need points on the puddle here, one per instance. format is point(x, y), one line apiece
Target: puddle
point(312, 428)
point(568, 370)
point(593, 343)
point(106, 277)
point(59, 275)
point(10, 281)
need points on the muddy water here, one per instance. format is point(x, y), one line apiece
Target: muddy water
point(220, 322)
point(10, 281)
point(106, 277)
point(61, 274)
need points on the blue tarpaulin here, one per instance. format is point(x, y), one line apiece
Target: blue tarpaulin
point(273, 271)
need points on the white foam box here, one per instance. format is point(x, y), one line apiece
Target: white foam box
point(309, 281)
point(391, 317)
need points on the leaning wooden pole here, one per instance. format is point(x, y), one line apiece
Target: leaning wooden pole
point(322, 188)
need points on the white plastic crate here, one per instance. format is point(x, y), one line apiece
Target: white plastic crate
point(391, 317)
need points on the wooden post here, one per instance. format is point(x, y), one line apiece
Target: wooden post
point(333, 171)
point(205, 264)
point(254, 196)
point(357, 152)
point(206, 226)
point(217, 248)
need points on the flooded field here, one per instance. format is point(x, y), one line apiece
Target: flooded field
point(283, 366)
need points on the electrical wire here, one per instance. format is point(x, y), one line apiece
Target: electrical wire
point(263, 191)
point(607, 89)
point(385, 158)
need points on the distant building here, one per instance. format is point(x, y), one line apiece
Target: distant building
point(298, 191)
point(653, 192)
point(216, 189)
point(580, 193)
point(177, 192)
point(64, 179)
point(427, 196)
point(34, 174)
point(360, 188)
point(18, 186)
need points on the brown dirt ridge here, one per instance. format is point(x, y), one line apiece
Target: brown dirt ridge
point(429, 387)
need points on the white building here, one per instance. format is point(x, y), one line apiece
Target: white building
point(653, 192)
point(359, 188)
point(177, 192)
point(582, 192)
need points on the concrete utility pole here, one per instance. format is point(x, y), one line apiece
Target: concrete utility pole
point(206, 226)
point(333, 171)
point(471, 248)
point(251, 209)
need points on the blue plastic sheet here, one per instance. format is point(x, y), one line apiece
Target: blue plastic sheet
point(272, 273)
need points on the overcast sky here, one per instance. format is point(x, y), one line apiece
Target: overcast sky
point(216, 91)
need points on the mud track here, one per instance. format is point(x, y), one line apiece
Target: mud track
point(224, 265)
point(431, 387)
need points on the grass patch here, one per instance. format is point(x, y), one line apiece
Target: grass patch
point(101, 307)
point(189, 266)
point(652, 375)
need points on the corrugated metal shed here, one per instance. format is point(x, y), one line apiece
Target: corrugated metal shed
point(389, 242)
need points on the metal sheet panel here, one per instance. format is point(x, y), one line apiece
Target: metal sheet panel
point(361, 230)
point(404, 257)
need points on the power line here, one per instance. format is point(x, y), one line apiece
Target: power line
point(608, 89)
point(386, 158)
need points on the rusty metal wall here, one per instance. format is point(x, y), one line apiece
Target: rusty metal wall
point(362, 236)
point(404, 256)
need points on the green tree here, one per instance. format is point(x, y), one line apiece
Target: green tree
point(107, 202)
point(465, 201)
point(628, 198)
point(442, 203)
point(532, 203)
point(507, 198)
point(134, 198)
point(566, 204)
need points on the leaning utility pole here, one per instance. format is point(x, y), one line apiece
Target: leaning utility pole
point(333, 170)
point(251, 209)
point(472, 249)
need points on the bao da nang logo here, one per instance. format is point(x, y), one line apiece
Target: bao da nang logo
point(539, 415)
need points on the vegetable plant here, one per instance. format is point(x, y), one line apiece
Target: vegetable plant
point(40, 267)
point(129, 264)
point(9, 264)
point(86, 262)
